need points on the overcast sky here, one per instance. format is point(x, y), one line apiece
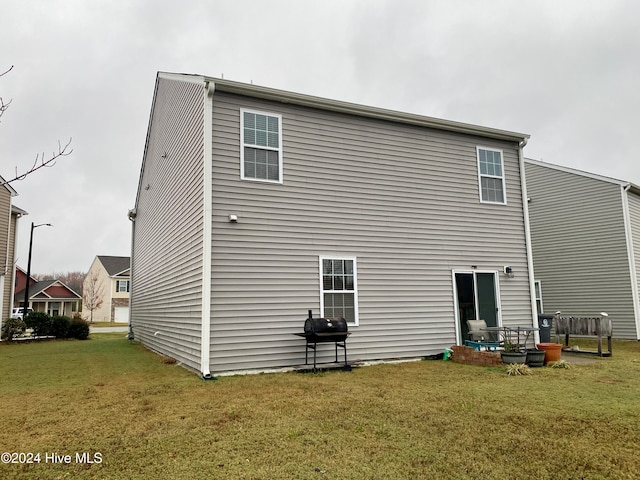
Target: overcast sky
point(567, 72)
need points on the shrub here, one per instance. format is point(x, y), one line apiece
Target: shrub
point(79, 328)
point(518, 369)
point(60, 326)
point(40, 322)
point(12, 327)
point(561, 364)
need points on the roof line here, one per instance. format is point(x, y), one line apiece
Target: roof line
point(595, 176)
point(287, 97)
point(6, 185)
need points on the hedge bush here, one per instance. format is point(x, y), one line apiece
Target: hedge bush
point(60, 326)
point(12, 327)
point(40, 322)
point(79, 328)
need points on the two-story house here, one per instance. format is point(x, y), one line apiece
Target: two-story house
point(585, 232)
point(255, 205)
point(9, 215)
point(109, 280)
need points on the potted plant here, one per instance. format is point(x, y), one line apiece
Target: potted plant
point(512, 353)
point(553, 351)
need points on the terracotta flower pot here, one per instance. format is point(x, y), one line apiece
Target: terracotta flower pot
point(552, 351)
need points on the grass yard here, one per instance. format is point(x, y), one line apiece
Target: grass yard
point(429, 419)
point(109, 324)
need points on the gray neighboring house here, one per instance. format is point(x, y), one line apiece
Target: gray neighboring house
point(255, 205)
point(585, 230)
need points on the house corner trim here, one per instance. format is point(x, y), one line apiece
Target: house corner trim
point(205, 334)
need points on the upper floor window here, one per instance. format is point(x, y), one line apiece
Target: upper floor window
point(122, 286)
point(491, 176)
point(261, 146)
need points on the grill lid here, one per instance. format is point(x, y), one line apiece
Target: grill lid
point(324, 325)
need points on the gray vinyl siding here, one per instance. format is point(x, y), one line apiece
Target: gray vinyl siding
point(402, 199)
point(166, 295)
point(579, 245)
point(634, 218)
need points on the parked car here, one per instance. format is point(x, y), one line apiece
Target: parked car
point(17, 312)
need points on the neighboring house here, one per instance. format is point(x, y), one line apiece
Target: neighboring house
point(9, 215)
point(256, 205)
point(585, 232)
point(50, 296)
point(113, 283)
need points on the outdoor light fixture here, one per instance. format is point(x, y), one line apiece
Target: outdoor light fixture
point(233, 218)
point(25, 308)
point(508, 271)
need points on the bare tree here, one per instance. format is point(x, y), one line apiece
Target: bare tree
point(93, 294)
point(4, 106)
point(41, 159)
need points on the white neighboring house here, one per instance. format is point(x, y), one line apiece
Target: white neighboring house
point(113, 284)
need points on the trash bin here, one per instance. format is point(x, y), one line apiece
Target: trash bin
point(544, 323)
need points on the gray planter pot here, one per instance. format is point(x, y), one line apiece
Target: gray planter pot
point(535, 358)
point(513, 357)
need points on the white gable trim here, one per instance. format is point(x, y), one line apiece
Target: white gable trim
point(582, 173)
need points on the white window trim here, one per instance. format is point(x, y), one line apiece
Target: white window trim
point(355, 286)
point(504, 185)
point(279, 149)
point(456, 309)
point(128, 286)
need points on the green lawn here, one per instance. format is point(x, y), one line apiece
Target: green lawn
point(109, 324)
point(429, 419)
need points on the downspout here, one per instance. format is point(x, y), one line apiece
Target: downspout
point(527, 237)
point(207, 234)
point(6, 271)
point(12, 276)
point(631, 257)
point(132, 216)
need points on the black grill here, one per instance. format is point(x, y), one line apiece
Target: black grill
point(325, 330)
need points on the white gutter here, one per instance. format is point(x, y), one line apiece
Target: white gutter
point(527, 237)
point(631, 256)
point(207, 234)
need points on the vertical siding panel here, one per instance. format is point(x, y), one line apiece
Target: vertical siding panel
point(579, 245)
point(166, 297)
point(402, 199)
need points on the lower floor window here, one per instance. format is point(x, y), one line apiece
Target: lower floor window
point(338, 288)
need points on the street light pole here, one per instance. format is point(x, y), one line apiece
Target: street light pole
point(26, 288)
